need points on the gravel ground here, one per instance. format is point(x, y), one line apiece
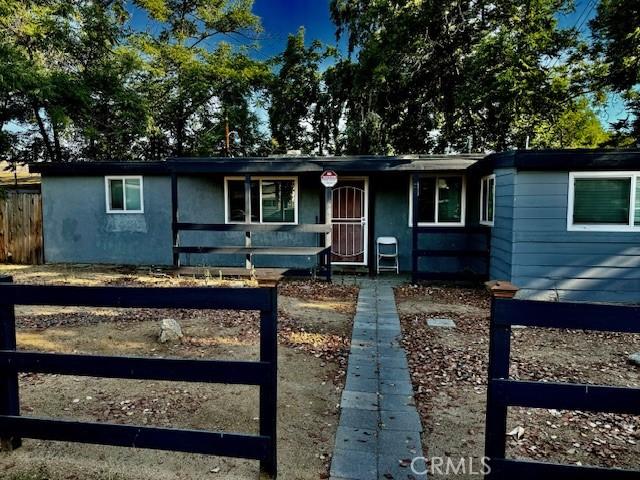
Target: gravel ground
point(314, 331)
point(448, 368)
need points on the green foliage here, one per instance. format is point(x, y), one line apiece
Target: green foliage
point(434, 75)
point(295, 94)
point(576, 127)
point(80, 84)
point(616, 31)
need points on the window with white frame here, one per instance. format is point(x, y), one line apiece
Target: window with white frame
point(441, 201)
point(273, 200)
point(487, 199)
point(604, 201)
point(124, 194)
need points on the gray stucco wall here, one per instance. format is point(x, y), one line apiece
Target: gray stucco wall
point(201, 200)
point(77, 228)
point(549, 262)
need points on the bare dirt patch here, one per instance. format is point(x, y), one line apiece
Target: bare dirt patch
point(448, 370)
point(313, 338)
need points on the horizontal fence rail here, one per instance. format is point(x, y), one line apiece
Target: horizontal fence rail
point(503, 392)
point(417, 232)
point(262, 373)
point(255, 227)
point(322, 251)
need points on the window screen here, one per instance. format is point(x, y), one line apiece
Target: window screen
point(601, 201)
point(278, 201)
point(117, 195)
point(235, 201)
point(427, 200)
point(450, 200)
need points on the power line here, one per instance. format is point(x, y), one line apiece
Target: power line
point(586, 11)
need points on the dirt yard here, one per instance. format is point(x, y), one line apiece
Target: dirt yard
point(448, 369)
point(314, 330)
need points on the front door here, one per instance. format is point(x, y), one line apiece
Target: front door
point(349, 219)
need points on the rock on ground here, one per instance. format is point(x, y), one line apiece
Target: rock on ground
point(635, 358)
point(170, 331)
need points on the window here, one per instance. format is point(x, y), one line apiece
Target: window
point(604, 201)
point(441, 201)
point(487, 199)
point(273, 200)
point(124, 194)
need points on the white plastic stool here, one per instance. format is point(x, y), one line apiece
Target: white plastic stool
point(387, 253)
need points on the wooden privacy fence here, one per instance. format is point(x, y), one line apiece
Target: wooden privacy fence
point(262, 373)
point(503, 392)
point(21, 226)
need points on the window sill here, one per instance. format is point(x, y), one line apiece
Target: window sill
point(440, 224)
point(487, 224)
point(603, 228)
point(261, 223)
point(120, 212)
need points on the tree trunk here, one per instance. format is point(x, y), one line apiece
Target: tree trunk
point(56, 142)
point(43, 131)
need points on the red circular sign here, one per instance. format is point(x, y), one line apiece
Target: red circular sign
point(329, 178)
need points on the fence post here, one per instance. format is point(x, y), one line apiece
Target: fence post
point(269, 390)
point(9, 397)
point(499, 353)
point(415, 201)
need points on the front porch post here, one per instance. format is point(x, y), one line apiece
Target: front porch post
point(247, 218)
point(415, 203)
point(174, 219)
point(328, 215)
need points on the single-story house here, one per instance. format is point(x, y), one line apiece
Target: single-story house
point(557, 223)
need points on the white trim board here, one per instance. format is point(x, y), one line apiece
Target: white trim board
point(463, 210)
point(260, 179)
point(630, 227)
point(107, 193)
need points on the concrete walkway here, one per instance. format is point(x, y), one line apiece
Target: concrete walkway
point(379, 430)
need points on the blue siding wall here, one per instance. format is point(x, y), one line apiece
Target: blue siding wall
point(78, 229)
point(550, 262)
point(502, 231)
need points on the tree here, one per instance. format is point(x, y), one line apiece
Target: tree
point(433, 76)
point(577, 127)
point(185, 80)
point(295, 97)
point(67, 81)
point(79, 83)
point(616, 32)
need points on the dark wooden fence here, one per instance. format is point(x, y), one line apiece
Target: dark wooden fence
point(323, 253)
point(503, 392)
point(20, 226)
point(482, 252)
point(262, 373)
